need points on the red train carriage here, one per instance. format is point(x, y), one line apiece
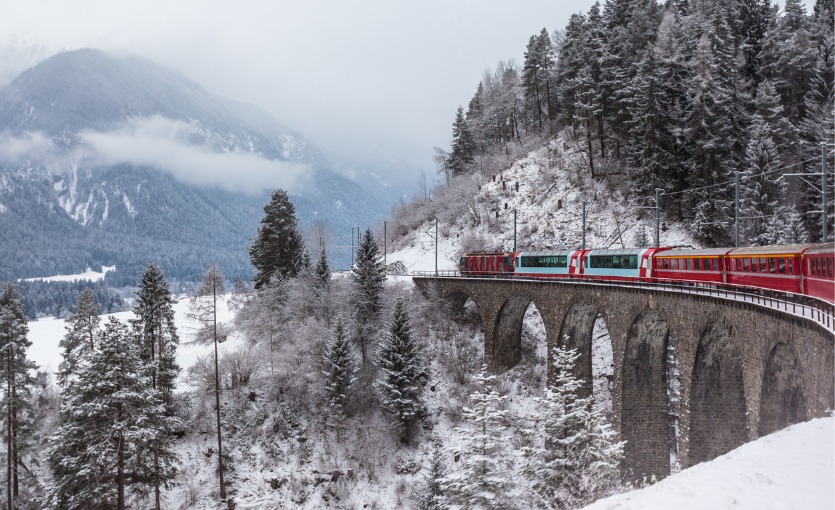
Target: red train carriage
point(817, 266)
point(768, 267)
point(706, 265)
point(474, 264)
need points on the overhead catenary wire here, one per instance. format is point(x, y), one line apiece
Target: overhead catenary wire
point(726, 183)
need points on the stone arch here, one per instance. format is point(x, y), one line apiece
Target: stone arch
point(782, 401)
point(645, 420)
point(577, 331)
point(457, 298)
point(717, 397)
point(506, 348)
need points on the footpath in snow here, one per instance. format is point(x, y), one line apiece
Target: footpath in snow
point(791, 469)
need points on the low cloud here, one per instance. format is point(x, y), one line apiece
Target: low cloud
point(165, 144)
point(28, 146)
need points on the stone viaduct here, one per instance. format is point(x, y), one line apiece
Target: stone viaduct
point(744, 370)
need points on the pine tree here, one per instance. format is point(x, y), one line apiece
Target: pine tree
point(577, 459)
point(483, 479)
point(114, 432)
point(81, 329)
point(367, 290)
point(339, 368)
point(761, 188)
point(403, 372)
point(158, 340)
point(15, 374)
point(463, 145)
point(430, 495)
point(321, 283)
point(279, 247)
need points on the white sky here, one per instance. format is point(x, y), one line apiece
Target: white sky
point(340, 72)
point(373, 75)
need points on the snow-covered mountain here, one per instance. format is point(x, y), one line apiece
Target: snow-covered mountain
point(107, 160)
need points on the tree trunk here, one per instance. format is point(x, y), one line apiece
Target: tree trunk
point(588, 142)
point(9, 432)
point(120, 473)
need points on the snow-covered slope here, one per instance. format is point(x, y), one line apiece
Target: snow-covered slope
point(790, 469)
point(546, 189)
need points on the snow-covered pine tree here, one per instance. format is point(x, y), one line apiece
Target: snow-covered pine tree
point(278, 248)
point(80, 336)
point(367, 291)
point(483, 480)
point(463, 145)
point(403, 372)
point(430, 494)
point(115, 433)
point(158, 342)
point(16, 376)
point(158, 337)
point(761, 188)
point(322, 274)
point(339, 368)
point(577, 459)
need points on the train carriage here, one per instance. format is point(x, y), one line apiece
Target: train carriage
point(707, 265)
point(487, 263)
point(549, 264)
point(817, 266)
point(616, 264)
point(769, 267)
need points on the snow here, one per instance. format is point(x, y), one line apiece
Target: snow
point(792, 468)
point(45, 335)
point(88, 275)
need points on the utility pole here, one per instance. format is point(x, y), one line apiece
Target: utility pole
point(584, 224)
point(736, 208)
point(657, 218)
point(514, 230)
point(385, 243)
point(352, 247)
point(825, 213)
point(436, 247)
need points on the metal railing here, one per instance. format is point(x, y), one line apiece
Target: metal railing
point(813, 309)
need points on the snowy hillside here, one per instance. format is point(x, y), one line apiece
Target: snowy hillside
point(792, 468)
point(547, 189)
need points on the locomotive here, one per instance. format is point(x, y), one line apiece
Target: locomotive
point(805, 269)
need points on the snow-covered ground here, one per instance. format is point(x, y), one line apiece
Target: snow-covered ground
point(45, 335)
point(88, 275)
point(791, 469)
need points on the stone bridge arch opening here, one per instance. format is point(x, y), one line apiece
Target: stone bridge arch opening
point(717, 397)
point(645, 409)
point(782, 401)
point(518, 314)
point(584, 328)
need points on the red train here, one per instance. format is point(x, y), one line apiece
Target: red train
point(799, 268)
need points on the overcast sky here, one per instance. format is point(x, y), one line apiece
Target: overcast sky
point(378, 74)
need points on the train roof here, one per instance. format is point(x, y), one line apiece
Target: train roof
point(705, 252)
point(828, 248)
point(782, 249)
point(635, 251)
point(546, 253)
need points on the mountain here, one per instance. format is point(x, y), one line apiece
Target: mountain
point(107, 160)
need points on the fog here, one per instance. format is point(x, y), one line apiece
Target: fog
point(372, 83)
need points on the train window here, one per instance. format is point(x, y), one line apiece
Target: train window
point(745, 264)
point(772, 265)
point(791, 266)
point(781, 266)
point(763, 265)
point(689, 263)
point(830, 262)
point(665, 263)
